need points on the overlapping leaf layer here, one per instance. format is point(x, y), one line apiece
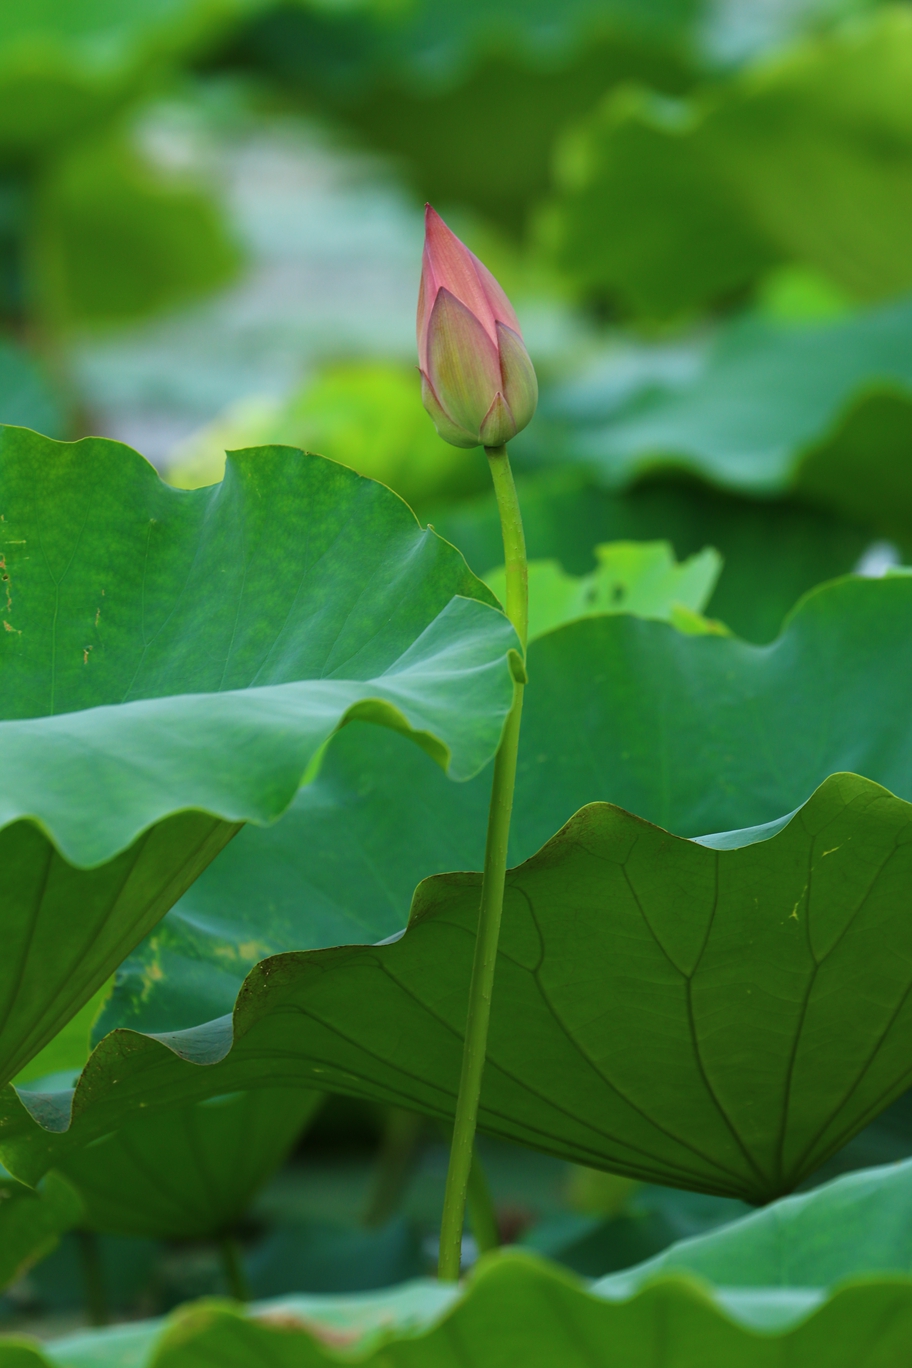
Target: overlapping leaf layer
point(721, 1016)
point(165, 680)
point(755, 1293)
point(715, 736)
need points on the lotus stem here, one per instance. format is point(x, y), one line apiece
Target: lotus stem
point(96, 1299)
point(233, 1268)
point(482, 1212)
point(402, 1134)
point(492, 887)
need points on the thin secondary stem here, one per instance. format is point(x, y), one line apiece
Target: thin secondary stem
point(96, 1299)
point(402, 1134)
point(233, 1266)
point(492, 887)
point(482, 1212)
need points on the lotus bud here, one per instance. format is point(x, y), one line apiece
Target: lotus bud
point(477, 381)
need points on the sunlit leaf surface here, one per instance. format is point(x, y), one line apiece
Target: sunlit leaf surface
point(165, 680)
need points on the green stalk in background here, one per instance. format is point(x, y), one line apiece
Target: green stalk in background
point(492, 888)
point(233, 1268)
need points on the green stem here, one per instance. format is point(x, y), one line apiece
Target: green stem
point(492, 887)
point(481, 1208)
point(514, 542)
point(96, 1299)
point(233, 1266)
point(402, 1133)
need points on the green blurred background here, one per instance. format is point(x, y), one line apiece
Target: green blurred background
point(210, 236)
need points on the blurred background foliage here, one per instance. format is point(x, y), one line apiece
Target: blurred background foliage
point(210, 233)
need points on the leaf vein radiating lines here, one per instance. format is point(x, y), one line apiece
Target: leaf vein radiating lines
point(859, 1078)
point(691, 1021)
point(57, 585)
point(609, 1083)
point(711, 919)
point(492, 1063)
point(358, 1044)
point(861, 902)
point(93, 932)
point(802, 1015)
point(710, 1090)
point(403, 568)
point(34, 916)
point(178, 1197)
point(818, 963)
point(532, 969)
point(646, 922)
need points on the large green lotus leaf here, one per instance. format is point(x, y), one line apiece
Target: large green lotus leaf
point(175, 663)
point(71, 1047)
point(32, 1222)
point(822, 1278)
point(66, 63)
point(565, 516)
point(190, 1173)
point(858, 1224)
point(344, 871)
point(516, 1309)
point(838, 432)
point(721, 1015)
point(806, 158)
point(714, 735)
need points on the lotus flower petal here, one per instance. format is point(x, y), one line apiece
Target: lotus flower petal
point(448, 264)
point(520, 385)
point(450, 432)
point(498, 426)
point(463, 364)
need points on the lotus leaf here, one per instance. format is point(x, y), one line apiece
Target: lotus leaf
point(191, 1173)
point(165, 681)
point(32, 1222)
point(565, 516)
point(838, 433)
point(754, 1293)
point(759, 982)
point(715, 735)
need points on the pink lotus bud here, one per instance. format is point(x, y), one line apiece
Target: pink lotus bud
point(477, 381)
